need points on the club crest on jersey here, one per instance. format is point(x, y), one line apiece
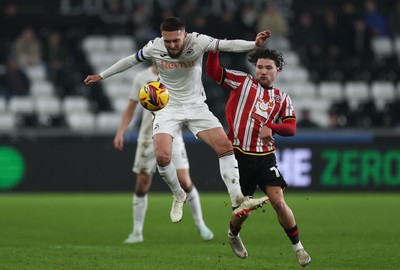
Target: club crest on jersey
point(189, 52)
point(278, 99)
point(261, 110)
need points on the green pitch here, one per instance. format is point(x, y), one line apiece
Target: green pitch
point(85, 231)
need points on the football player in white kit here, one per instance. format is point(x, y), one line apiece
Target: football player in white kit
point(178, 56)
point(145, 162)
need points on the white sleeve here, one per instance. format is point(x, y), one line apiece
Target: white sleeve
point(120, 66)
point(236, 45)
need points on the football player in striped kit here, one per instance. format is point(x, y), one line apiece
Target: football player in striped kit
point(255, 111)
point(178, 56)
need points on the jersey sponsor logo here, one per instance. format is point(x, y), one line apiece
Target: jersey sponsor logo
point(186, 65)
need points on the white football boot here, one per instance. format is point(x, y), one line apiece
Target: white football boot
point(205, 233)
point(237, 245)
point(249, 204)
point(133, 238)
point(177, 209)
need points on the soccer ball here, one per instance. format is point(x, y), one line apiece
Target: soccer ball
point(153, 96)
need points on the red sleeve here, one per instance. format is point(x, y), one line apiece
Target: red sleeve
point(213, 68)
point(287, 128)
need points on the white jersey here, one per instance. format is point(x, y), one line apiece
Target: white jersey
point(181, 75)
point(143, 77)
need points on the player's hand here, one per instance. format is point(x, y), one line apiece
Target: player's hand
point(262, 37)
point(267, 136)
point(92, 79)
point(119, 142)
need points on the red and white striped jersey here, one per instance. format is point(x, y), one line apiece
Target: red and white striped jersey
point(250, 107)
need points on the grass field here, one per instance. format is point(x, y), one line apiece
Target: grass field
point(85, 231)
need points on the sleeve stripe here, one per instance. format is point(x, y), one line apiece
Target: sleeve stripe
point(139, 56)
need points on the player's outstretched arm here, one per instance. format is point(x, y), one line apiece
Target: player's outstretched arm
point(90, 79)
point(239, 45)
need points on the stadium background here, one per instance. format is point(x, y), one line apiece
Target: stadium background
point(56, 133)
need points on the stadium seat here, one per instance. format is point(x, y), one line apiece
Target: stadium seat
point(356, 92)
point(42, 89)
point(382, 46)
point(291, 58)
point(279, 42)
point(95, 43)
point(293, 74)
point(8, 121)
point(80, 121)
point(108, 121)
point(36, 73)
point(331, 91)
point(119, 103)
point(302, 89)
point(125, 44)
point(382, 93)
point(48, 106)
point(75, 104)
point(317, 106)
point(116, 89)
point(21, 105)
point(3, 105)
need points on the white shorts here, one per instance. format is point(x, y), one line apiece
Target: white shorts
point(197, 117)
point(145, 157)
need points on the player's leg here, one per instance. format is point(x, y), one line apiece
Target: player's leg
point(288, 222)
point(144, 168)
point(229, 170)
point(248, 184)
point(217, 140)
point(181, 161)
point(167, 170)
point(140, 203)
point(193, 201)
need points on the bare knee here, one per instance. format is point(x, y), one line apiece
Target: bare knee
point(279, 206)
point(163, 159)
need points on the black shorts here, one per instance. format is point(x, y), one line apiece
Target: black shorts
point(258, 171)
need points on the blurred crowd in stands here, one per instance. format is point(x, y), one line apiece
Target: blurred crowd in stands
point(332, 39)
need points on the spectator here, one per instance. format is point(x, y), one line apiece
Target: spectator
point(115, 20)
point(394, 21)
point(361, 41)
point(374, 19)
point(305, 120)
point(273, 19)
point(14, 82)
point(249, 18)
point(142, 22)
point(332, 36)
point(55, 57)
point(28, 49)
point(307, 39)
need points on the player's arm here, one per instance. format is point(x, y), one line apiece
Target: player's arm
point(238, 45)
point(126, 119)
point(118, 67)
point(123, 64)
point(286, 128)
point(213, 67)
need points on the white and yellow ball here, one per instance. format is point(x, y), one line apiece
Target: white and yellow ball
point(153, 96)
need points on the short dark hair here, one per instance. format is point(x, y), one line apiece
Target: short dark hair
point(274, 55)
point(172, 24)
